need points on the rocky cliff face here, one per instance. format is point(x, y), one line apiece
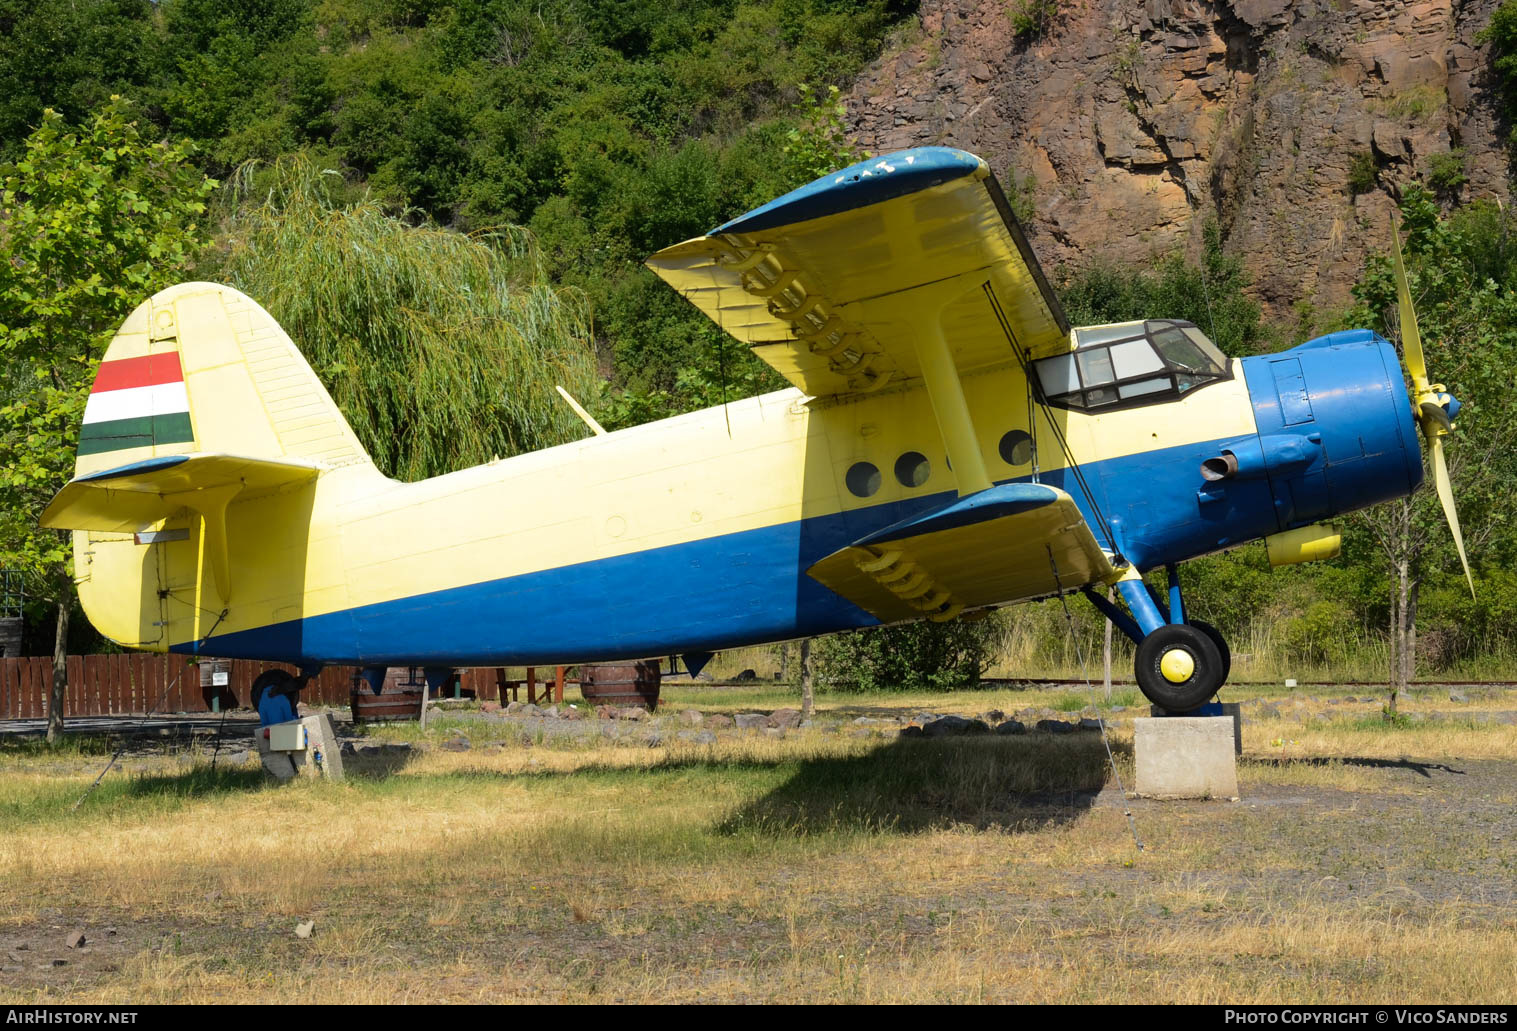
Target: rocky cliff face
point(1293, 122)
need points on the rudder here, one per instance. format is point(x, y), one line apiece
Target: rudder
point(201, 367)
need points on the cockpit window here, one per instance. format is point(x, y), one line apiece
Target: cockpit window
point(1131, 363)
point(1185, 349)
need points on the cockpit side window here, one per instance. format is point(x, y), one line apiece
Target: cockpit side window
point(1130, 364)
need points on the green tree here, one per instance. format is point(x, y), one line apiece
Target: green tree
point(1209, 294)
point(609, 128)
point(93, 220)
point(442, 349)
point(1460, 274)
point(70, 57)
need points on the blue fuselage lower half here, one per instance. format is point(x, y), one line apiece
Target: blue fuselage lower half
point(1342, 395)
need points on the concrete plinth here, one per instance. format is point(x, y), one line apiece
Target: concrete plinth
point(1228, 710)
point(1185, 757)
point(321, 757)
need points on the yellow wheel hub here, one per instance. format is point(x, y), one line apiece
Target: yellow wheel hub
point(1177, 665)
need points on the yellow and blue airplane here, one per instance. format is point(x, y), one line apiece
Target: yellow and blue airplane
point(949, 444)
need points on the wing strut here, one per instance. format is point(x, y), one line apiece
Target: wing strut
point(1035, 392)
point(922, 309)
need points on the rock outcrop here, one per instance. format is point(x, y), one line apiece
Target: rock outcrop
point(1128, 124)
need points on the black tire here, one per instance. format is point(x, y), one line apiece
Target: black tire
point(1221, 643)
point(278, 681)
point(1205, 675)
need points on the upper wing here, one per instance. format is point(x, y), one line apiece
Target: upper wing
point(814, 280)
point(1007, 543)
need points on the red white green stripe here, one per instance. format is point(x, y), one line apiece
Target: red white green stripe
point(136, 402)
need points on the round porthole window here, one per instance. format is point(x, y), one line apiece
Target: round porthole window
point(863, 479)
point(912, 469)
point(1016, 448)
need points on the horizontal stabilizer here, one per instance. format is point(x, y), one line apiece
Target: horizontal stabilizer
point(998, 545)
point(135, 497)
point(131, 498)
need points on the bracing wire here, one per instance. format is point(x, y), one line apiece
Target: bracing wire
point(1036, 391)
point(1090, 688)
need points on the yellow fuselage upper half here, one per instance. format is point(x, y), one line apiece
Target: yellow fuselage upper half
point(689, 534)
point(693, 532)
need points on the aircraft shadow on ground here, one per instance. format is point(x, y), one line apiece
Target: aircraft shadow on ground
point(906, 786)
point(377, 764)
point(1421, 768)
point(912, 786)
point(195, 782)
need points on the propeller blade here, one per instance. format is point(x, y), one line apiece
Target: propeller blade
point(1434, 413)
point(1446, 498)
point(1411, 341)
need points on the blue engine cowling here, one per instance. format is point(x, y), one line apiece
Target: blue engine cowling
point(1335, 428)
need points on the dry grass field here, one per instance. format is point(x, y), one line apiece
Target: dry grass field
point(837, 863)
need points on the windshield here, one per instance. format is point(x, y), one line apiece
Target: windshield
point(1130, 363)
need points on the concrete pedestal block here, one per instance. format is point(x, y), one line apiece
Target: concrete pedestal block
point(1185, 757)
point(322, 755)
point(1229, 710)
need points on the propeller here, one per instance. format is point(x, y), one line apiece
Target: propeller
point(1435, 409)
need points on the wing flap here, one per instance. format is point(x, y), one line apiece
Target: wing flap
point(998, 545)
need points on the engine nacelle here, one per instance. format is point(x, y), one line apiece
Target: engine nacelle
point(1335, 428)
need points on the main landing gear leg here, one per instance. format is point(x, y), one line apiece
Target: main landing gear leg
point(1180, 664)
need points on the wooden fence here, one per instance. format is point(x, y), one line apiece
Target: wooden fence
point(140, 683)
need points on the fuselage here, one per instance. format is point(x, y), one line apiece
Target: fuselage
point(694, 533)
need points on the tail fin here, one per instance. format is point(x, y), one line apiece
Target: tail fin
point(202, 441)
point(202, 368)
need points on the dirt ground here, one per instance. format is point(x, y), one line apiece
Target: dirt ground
point(835, 862)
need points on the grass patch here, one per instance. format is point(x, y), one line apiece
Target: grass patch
point(818, 867)
point(27, 800)
point(30, 748)
point(1414, 103)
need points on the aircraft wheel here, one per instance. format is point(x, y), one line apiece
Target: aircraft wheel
point(276, 696)
point(1221, 643)
point(1178, 667)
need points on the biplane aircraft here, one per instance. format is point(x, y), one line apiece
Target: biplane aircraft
point(949, 444)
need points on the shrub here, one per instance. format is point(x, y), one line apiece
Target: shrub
point(1445, 172)
point(1019, 195)
point(1322, 633)
point(912, 656)
point(1032, 18)
point(1361, 174)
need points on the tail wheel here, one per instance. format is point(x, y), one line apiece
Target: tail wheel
point(1221, 643)
point(1178, 667)
point(276, 696)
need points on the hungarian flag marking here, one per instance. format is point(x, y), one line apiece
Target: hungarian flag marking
point(136, 402)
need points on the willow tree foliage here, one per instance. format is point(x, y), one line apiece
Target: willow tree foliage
point(441, 349)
